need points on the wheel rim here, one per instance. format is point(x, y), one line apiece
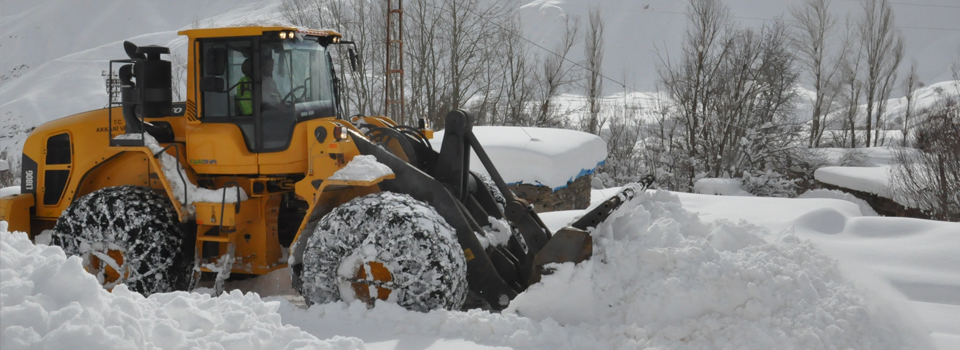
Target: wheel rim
point(108, 266)
point(372, 281)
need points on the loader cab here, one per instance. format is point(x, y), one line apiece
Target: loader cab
point(252, 87)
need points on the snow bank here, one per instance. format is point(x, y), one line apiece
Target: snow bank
point(865, 208)
point(720, 186)
point(664, 279)
point(903, 264)
point(541, 156)
point(49, 302)
point(362, 168)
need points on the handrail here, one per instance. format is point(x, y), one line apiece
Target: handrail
point(223, 205)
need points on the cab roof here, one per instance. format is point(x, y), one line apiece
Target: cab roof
point(224, 32)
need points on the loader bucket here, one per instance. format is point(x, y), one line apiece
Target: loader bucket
point(573, 243)
point(567, 245)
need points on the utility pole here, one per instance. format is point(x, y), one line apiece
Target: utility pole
point(393, 106)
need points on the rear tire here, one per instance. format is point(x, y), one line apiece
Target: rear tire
point(135, 227)
point(384, 234)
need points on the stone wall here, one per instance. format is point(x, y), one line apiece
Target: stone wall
point(575, 196)
point(882, 205)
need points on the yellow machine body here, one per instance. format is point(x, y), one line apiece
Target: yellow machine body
point(70, 157)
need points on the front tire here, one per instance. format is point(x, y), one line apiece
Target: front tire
point(384, 246)
point(130, 235)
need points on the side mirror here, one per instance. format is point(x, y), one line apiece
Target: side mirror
point(353, 58)
point(215, 61)
point(211, 84)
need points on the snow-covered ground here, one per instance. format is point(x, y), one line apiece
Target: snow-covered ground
point(669, 271)
point(910, 266)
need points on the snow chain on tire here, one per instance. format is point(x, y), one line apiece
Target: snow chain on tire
point(408, 237)
point(133, 222)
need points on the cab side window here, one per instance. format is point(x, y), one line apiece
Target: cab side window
point(227, 84)
point(224, 59)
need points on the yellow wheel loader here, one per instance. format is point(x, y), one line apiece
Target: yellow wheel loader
point(258, 170)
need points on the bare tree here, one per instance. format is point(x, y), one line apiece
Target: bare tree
point(10, 177)
point(929, 179)
point(688, 81)
point(883, 51)
point(851, 87)
point(179, 81)
point(425, 56)
point(909, 86)
point(814, 25)
point(555, 73)
point(624, 160)
point(468, 35)
point(508, 81)
point(300, 12)
point(593, 53)
point(367, 27)
point(733, 94)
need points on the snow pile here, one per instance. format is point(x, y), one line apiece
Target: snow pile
point(720, 186)
point(541, 156)
point(178, 179)
point(865, 208)
point(903, 264)
point(661, 278)
point(49, 301)
point(362, 168)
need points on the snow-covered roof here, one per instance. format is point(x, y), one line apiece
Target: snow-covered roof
point(874, 180)
point(541, 156)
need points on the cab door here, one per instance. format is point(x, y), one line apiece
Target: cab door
point(224, 142)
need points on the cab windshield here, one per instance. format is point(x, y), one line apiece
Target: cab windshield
point(297, 85)
point(293, 79)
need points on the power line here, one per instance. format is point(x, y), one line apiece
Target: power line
point(624, 85)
